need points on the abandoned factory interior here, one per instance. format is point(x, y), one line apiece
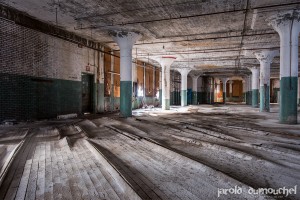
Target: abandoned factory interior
point(149, 99)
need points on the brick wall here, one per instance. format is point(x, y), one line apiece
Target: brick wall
point(39, 74)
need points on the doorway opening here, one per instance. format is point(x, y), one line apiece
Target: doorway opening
point(87, 92)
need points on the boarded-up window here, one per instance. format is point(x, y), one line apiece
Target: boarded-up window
point(237, 88)
point(149, 82)
point(117, 75)
point(107, 74)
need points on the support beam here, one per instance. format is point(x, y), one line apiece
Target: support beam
point(247, 81)
point(125, 40)
point(255, 86)
point(184, 72)
point(166, 62)
point(265, 59)
point(287, 24)
point(160, 89)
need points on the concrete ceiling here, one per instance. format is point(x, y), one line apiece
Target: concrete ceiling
point(214, 36)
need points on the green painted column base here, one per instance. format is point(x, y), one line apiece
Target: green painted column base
point(160, 97)
point(125, 99)
point(183, 98)
point(167, 104)
point(255, 98)
point(264, 98)
point(288, 100)
point(224, 97)
point(195, 98)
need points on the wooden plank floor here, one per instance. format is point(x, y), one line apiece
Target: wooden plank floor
point(48, 168)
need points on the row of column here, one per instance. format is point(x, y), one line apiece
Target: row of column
point(288, 27)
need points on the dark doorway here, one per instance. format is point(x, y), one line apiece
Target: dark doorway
point(87, 94)
point(189, 96)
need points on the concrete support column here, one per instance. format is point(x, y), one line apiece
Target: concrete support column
point(160, 89)
point(125, 40)
point(184, 72)
point(265, 58)
point(255, 86)
point(247, 89)
point(195, 89)
point(287, 24)
point(166, 62)
point(224, 81)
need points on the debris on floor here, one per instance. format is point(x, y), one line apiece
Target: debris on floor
point(197, 152)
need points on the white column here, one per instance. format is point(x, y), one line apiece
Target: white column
point(255, 78)
point(287, 24)
point(184, 72)
point(125, 41)
point(166, 62)
point(265, 58)
point(255, 85)
point(249, 83)
point(160, 89)
point(244, 90)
